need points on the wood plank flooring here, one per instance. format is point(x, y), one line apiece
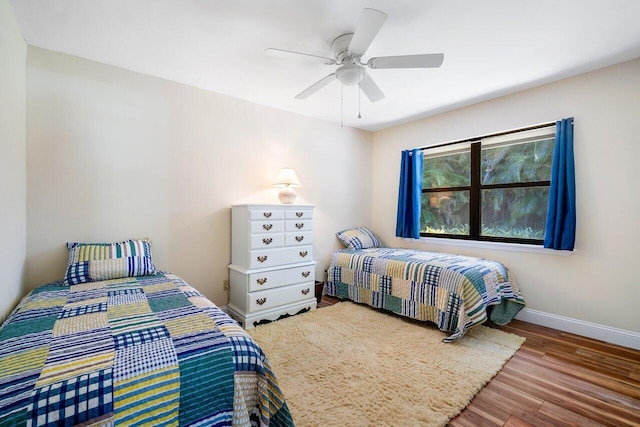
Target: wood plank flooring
point(556, 379)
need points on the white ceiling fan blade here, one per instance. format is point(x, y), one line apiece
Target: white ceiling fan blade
point(430, 60)
point(316, 86)
point(282, 53)
point(368, 26)
point(371, 89)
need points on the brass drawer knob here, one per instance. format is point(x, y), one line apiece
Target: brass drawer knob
point(262, 258)
point(266, 214)
point(306, 273)
point(302, 254)
point(267, 240)
point(299, 239)
point(305, 291)
point(261, 301)
point(267, 226)
point(299, 225)
point(262, 281)
point(299, 214)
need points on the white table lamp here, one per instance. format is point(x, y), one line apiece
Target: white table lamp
point(287, 179)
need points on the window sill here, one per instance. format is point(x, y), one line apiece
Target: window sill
point(499, 246)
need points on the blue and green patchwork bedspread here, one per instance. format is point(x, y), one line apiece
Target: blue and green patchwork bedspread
point(147, 350)
point(453, 291)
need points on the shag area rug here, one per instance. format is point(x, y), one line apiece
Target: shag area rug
point(351, 365)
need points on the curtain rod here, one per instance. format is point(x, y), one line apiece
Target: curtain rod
point(507, 132)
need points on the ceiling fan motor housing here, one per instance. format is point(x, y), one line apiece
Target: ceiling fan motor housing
point(340, 48)
point(350, 73)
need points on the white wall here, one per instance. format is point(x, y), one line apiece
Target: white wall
point(114, 154)
point(13, 188)
point(599, 282)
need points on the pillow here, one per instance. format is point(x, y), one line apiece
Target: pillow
point(359, 238)
point(91, 262)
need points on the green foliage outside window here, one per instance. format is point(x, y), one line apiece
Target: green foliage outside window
point(506, 208)
point(446, 212)
point(521, 162)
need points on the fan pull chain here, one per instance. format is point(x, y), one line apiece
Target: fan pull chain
point(359, 96)
point(359, 91)
point(341, 104)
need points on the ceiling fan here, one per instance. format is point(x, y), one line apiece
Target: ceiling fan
point(349, 49)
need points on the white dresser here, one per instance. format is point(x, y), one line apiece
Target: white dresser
point(272, 271)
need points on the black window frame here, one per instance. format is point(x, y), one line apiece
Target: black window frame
point(475, 189)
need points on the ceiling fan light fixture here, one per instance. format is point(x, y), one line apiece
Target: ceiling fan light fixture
point(350, 74)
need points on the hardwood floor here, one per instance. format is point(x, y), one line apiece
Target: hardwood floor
point(556, 379)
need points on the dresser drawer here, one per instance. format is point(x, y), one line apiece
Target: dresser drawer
point(277, 278)
point(273, 257)
point(298, 238)
point(265, 300)
point(266, 214)
point(299, 214)
point(264, 241)
point(298, 225)
point(266, 227)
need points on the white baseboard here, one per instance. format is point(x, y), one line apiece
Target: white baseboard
point(223, 308)
point(579, 327)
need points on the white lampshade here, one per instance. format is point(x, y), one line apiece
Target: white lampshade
point(287, 179)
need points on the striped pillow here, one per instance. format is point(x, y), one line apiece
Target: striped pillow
point(91, 262)
point(359, 238)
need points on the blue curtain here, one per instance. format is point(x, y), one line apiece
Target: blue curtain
point(560, 232)
point(409, 195)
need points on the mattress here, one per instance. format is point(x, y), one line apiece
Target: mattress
point(147, 350)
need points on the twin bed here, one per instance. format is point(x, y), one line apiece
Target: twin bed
point(453, 291)
point(119, 343)
point(144, 349)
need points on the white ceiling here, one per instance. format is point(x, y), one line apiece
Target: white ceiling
point(491, 47)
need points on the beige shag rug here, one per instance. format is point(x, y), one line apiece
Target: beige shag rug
point(351, 365)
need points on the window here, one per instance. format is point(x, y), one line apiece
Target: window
point(492, 189)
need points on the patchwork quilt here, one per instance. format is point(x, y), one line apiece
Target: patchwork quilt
point(147, 350)
point(453, 291)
